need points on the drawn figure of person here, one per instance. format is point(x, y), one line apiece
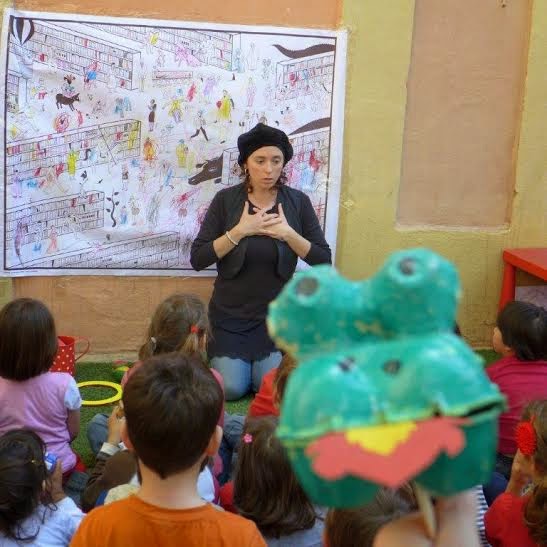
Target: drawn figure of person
point(149, 150)
point(252, 57)
point(41, 92)
point(251, 92)
point(184, 55)
point(118, 108)
point(210, 84)
point(152, 114)
point(160, 59)
point(182, 152)
point(238, 64)
point(125, 177)
point(166, 174)
point(53, 246)
point(135, 207)
point(199, 123)
point(67, 89)
point(191, 92)
point(17, 182)
point(111, 80)
point(132, 138)
point(225, 106)
point(175, 109)
point(71, 161)
point(123, 215)
point(90, 75)
point(152, 212)
point(127, 104)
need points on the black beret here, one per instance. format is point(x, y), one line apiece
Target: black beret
point(263, 135)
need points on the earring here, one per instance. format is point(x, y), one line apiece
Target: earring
point(246, 171)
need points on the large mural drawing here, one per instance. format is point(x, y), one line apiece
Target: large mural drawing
point(117, 133)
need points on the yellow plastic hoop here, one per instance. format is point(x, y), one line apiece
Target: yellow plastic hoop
point(100, 383)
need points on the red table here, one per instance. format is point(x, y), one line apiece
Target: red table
point(532, 261)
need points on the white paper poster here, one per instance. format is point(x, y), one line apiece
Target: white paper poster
point(118, 132)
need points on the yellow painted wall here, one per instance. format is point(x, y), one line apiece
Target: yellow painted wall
point(378, 64)
point(380, 50)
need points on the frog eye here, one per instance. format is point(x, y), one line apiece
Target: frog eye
point(307, 286)
point(346, 364)
point(392, 367)
point(407, 266)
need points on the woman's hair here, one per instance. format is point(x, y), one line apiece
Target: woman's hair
point(28, 341)
point(180, 323)
point(359, 526)
point(523, 327)
point(535, 512)
point(287, 365)
point(246, 180)
point(265, 487)
point(22, 476)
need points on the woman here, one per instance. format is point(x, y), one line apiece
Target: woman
point(255, 232)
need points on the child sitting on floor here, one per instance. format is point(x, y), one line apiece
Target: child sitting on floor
point(267, 492)
point(180, 323)
point(171, 411)
point(266, 403)
point(31, 396)
point(34, 510)
point(520, 337)
point(516, 518)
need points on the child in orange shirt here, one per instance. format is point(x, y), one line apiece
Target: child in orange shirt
point(171, 405)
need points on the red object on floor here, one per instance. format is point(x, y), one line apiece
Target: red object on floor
point(532, 261)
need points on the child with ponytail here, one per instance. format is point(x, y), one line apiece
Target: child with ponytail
point(518, 517)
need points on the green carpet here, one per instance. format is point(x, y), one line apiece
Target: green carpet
point(104, 371)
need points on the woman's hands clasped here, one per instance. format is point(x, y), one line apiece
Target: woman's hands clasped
point(265, 224)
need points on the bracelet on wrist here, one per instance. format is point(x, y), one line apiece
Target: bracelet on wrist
point(231, 239)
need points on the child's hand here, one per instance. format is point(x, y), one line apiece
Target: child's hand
point(114, 425)
point(56, 483)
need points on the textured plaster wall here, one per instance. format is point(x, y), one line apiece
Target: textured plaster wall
point(113, 312)
point(380, 53)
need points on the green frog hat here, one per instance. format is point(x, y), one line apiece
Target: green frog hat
point(385, 392)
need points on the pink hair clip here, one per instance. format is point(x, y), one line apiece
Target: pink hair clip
point(247, 438)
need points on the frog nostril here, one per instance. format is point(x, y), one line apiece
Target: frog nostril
point(392, 367)
point(347, 364)
point(407, 266)
point(307, 286)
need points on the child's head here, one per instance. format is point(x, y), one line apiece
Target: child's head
point(265, 487)
point(287, 365)
point(180, 323)
point(171, 405)
point(535, 513)
point(28, 341)
point(521, 330)
point(359, 526)
point(23, 475)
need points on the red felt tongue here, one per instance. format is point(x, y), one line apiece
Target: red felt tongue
point(333, 457)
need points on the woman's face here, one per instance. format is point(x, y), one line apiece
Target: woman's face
point(265, 166)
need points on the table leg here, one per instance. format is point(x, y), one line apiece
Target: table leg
point(507, 286)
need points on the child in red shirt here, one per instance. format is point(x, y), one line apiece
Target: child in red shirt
point(520, 337)
point(521, 520)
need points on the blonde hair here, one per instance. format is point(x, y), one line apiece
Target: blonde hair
point(180, 323)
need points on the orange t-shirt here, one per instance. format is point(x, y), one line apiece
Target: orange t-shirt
point(133, 522)
point(262, 404)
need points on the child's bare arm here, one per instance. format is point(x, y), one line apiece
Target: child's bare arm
point(73, 423)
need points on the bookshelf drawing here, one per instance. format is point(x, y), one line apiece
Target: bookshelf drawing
point(73, 47)
point(31, 157)
point(210, 47)
point(34, 221)
point(15, 90)
point(293, 76)
point(159, 251)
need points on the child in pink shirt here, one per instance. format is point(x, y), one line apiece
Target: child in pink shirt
point(31, 397)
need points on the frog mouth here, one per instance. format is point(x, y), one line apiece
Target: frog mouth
point(391, 454)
